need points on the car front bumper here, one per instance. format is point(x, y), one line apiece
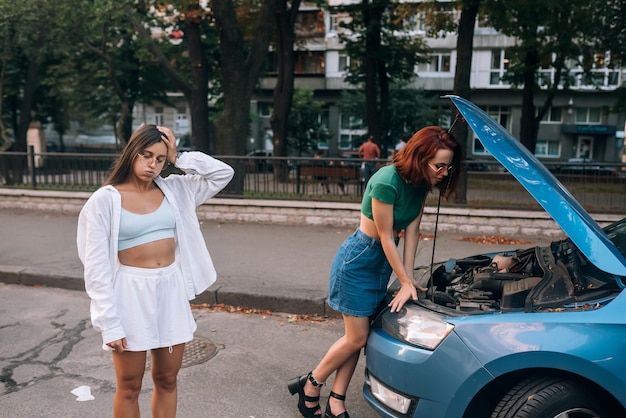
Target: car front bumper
point(438, 383)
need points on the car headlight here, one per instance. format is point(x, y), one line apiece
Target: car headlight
point(416, 326)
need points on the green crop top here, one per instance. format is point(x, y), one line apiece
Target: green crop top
point(387, 186)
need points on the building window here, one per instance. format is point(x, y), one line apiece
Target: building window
point(333, 22)
point(265, 109)
point(182, 125)
point(502, 115)
point(158, 115)
point(309, 62)
point(351, 131)
point(553, 115)
point(499, 67)
point(588, 114)
point(344, 62)
point(421, 22)
point(323, 120)
point(546, 148)
point(305, 62)
point(336, 20)
point(545, 78)
point(439, 63)
point(310, 23)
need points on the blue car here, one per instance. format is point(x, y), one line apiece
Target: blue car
point(533, 333)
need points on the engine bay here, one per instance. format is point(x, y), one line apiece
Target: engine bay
point(534, 279)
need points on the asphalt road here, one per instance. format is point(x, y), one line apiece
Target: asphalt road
point(49, 349)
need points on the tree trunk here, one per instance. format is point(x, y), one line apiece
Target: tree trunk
point(464, 48)
point(529, 125)
point(241, 65)
point(197, 96)
point(283, 91)
point(124, 126)
point(372, 15)
point(383, 81)
point(28, 98)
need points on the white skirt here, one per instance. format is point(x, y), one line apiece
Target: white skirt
point(153, 307)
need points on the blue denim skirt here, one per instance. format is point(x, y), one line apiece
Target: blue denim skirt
point(359, 276)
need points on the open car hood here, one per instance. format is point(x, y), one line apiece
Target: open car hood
point(584, 232)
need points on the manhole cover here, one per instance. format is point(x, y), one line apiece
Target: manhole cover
point(197, 351)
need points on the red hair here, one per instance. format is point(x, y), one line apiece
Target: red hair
point(412, 160)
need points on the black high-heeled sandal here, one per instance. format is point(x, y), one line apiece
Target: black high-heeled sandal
point(328, 413)
point(296, 385)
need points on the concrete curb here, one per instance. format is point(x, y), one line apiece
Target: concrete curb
point(305, 303)
point(472, 221)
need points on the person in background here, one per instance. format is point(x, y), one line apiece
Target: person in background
point(369, 151)
point(393, 202)
point(144, 258)
point(401, 143)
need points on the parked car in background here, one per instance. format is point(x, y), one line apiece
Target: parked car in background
point(476, 165)
point(534, 333)
point(586, 166)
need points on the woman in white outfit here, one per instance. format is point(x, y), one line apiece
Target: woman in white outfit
point(144, 258)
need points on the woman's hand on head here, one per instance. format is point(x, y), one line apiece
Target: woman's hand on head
point(405, 293)
point(170, 142)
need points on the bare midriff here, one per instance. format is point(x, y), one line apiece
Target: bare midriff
point(151, 255)
point(368, 227)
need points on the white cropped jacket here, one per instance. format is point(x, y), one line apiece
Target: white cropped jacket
point(98, 229)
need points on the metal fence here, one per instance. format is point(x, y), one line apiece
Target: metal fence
point(598, 187)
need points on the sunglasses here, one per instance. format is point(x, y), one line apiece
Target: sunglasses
point(438, 169)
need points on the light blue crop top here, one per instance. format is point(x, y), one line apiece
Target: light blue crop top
point(137, 229)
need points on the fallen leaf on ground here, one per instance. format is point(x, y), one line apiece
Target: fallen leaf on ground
point(494, 239)
point(220, 307)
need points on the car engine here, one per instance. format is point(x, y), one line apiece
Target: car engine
point(536, 279)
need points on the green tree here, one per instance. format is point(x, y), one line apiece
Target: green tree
point(462, 72)
point(192, 66)
point(245, 31)
point(31, 39)
point(550, 34)
point(440, 20)
point(286, 15)
point(304, 130)
point(244, 35)
point(108, 53)
point(382, 52)
point(27, 30)
point(412, 110)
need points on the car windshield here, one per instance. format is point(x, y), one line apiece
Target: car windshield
point(617, 234)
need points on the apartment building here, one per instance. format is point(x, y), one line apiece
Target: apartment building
point(578, 125)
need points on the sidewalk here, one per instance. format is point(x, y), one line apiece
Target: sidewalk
point(283, 268)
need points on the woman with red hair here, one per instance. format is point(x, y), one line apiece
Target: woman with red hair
point(393, 201)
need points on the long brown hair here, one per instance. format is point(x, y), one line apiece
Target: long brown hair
point(412, 160)
point(142, 138)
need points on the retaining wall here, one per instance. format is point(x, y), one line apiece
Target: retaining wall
point(465, 221)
